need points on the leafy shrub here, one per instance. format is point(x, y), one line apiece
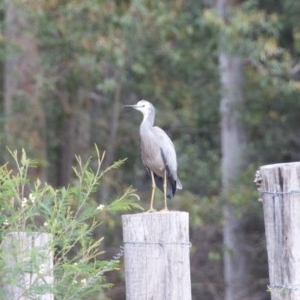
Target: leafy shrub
point(70, 215)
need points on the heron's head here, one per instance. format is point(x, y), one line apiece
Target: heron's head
point(145, 107)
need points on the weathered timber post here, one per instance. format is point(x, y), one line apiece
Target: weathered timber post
point(28, 266)
point(156, 254)
point(280, 191)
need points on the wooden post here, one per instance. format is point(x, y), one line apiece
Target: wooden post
point(280, 191)
point(28, 266)
point(156, 254)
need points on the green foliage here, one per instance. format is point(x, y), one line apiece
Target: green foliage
point(71, 215)
point(166, 52)
point(249, 29)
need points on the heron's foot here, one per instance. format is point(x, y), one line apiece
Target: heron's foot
point(151, 210)
point(165, 209)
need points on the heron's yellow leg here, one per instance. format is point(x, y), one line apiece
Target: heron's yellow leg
point(165, 191)
point(151, 209)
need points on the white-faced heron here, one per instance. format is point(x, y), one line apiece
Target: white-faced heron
point(158, 154)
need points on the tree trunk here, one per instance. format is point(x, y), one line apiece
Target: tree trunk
point(24, 114)
point(234, 159)
point(83, 126)
point(76, 136)
point(233, 162)
point(67, 149)
point(110, 148)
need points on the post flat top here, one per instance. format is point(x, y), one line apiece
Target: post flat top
point(281, 165)
point(170, 213)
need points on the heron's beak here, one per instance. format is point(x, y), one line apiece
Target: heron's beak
point(131, 106)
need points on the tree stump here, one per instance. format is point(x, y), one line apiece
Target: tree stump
point(28, 266)
point(156, 254)
point(280, 192)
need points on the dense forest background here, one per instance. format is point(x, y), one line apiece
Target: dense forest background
point(224, 77)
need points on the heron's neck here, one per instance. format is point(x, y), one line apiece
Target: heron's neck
point(148, 121)
point(149, 117)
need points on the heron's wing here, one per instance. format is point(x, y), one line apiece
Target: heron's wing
point(167, 148)
point(168, 155)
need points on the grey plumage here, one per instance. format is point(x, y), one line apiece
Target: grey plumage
point(158, 153)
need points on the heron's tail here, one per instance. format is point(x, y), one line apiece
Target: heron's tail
point(178, 184)
point(171, 185)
